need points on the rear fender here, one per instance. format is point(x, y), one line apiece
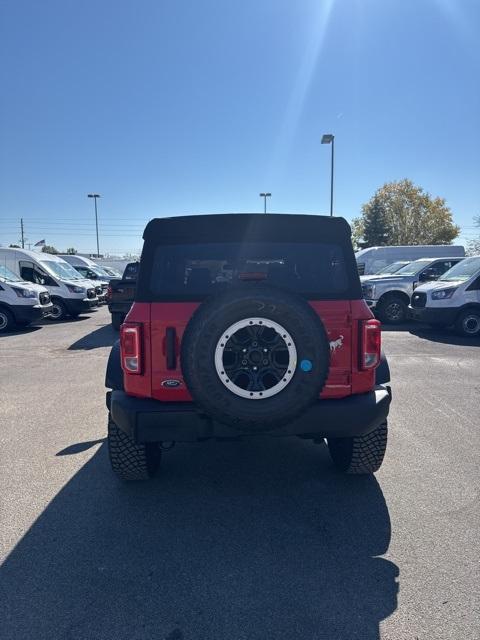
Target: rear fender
point(114, 374)
point(382, 372)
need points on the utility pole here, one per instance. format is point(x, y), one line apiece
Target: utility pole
point(329, 138)
point(23, 236)
point(95, 196)
point(265, 196)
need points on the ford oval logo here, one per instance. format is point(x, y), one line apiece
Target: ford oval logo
point(171, 384)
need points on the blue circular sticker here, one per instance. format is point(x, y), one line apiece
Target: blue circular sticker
point(306, 365)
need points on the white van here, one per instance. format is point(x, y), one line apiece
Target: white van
point(21, 303)
point(373, 259)
point(89, 269)
point(453, 299)
point(70, 293)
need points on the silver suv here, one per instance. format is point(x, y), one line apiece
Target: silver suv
point(389, 295)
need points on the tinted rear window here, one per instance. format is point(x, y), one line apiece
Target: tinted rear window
point(194, 271)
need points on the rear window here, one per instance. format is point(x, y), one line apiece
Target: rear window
point(194, 271)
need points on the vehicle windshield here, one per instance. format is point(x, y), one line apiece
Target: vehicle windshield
point(462, 271)
point(61, 270)
point(413, 268)
point(8, 276)
point(112, 272)
point(392, 268)
point(100, 271)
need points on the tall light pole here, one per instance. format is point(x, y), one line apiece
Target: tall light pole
point(265, 196)
point(328, 138)
point(95, 196)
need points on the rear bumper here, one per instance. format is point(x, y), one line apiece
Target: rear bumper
point(146, 420)
point(433, 315)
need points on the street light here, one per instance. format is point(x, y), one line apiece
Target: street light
point(265, 196)
point(95, 196)
point(328, 138)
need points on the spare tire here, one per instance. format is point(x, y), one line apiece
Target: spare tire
point(255, 357)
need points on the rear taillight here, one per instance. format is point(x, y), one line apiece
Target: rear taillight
point(371, 345)
point(131, 347)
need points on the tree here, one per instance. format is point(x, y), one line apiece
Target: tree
point(401, 213)
point(473, 246)
point(49, 249)
point(71, 251)
point(14, 246)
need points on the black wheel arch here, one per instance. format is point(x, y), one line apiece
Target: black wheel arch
point(382, 372)
point(394, 294)
point(114, 373)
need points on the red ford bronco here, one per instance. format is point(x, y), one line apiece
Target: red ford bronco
point(245, 324)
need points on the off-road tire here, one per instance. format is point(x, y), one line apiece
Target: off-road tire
point(131, 461)
point(7, 322)
point(392, 304)
point(117, 321)
point(59, 309)
point(204, 332)
point(466, 319)
point(360, 454)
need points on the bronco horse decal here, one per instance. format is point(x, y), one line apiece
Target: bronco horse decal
point(336, 344)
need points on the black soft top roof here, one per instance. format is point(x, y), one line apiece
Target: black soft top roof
point(248, 227)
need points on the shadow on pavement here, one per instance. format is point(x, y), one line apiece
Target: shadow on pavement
point(79, 447)
point(19, 330)
point(444, 336)
point(242, 540)
point(105, 336)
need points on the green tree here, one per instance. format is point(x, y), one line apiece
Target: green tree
point(402, 213)
point(14, 246)
point(49, 249)
point(71, 251)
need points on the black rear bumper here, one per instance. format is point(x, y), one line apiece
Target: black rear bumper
point(146, 420)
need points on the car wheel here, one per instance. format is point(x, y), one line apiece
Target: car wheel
point(359, 454)
point(131, 461)
point(117, 320)
point(255, 358)
point(7, 323)
point(393, 310)
point(59, 310)
point(468, 323)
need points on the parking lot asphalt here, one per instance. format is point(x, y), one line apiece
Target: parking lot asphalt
point(240, 541)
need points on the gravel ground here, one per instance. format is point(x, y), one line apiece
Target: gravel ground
point(260, 540)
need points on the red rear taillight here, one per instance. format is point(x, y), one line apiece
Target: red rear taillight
point(131, 347)
point(371, 344)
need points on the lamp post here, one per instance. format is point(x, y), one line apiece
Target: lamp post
point(328, 138)
point(265, 196)
point(95, 196)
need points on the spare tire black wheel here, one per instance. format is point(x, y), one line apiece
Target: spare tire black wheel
point(255, 357)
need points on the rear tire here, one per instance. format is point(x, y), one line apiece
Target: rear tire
point(468, 323)
point(360, 454)
point(393, 310)
point(131, 461)
point(7, 322)
point(59, 310)
point(117, 320)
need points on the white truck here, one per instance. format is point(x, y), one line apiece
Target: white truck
point(21, 303)
point(373, 259)
point(70, 294)
point(453, 299)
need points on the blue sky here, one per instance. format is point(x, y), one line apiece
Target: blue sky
point(167, 107)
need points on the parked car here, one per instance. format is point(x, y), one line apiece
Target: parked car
point(21, 303)
point(121, 293)
point(91, 271)
point(388, 270)
point(113, 273)
point(454, 299)
point(70, 294)
point(389, 295)
point(371, 260)
point(245, 324)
